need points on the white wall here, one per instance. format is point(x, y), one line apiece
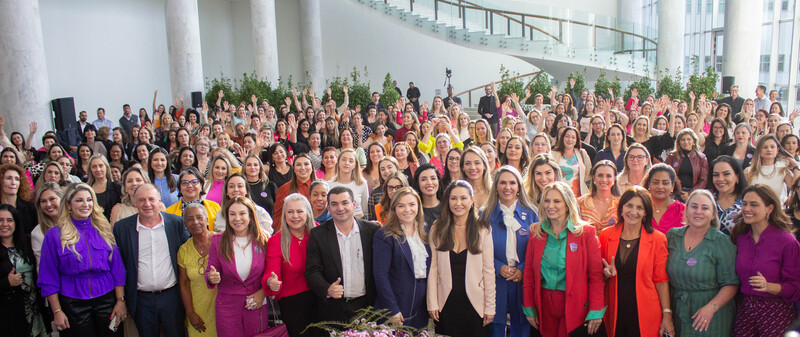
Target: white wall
point(108, 53)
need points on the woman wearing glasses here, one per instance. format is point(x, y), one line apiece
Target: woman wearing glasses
point(198, 300)
point(190, 185)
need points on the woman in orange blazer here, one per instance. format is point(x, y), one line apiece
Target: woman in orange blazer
point(562, 282)
point(461, 284)
point(635, 259)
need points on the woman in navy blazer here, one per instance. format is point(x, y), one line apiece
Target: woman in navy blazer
point(401, 260)
point(509, 211)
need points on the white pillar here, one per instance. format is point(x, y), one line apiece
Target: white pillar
point(24, 85)
point(671, 23)
point(742, 44)
point(183, 44)
point(265, 39)
point(312, 43)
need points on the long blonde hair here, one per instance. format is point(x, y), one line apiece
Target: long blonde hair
point(755, 165)
point(356, 176)
point(487, 172)
point(573, 212)
point(286, 234)
point(102, 159)
point(531, 189)
point(393, 226)
point(69, 233)
point(45, 223)
point(522, 197)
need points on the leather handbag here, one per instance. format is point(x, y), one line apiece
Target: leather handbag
point(279, 330)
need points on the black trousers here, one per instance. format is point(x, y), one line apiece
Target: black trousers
point(162, 311)
point(340, 310)
point(297, 312)
point(89, 318)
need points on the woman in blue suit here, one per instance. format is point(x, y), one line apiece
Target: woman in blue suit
point(510, 214)
point(401, 260)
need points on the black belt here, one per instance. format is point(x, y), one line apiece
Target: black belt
point(156, 292)
point(353, 299)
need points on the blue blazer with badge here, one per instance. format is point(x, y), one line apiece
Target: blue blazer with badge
point(526, 217)
point(127, 239)
point(398, 290)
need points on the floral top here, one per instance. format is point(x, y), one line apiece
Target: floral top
point(726, 216)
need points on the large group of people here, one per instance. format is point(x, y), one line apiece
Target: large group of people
point(591, 215)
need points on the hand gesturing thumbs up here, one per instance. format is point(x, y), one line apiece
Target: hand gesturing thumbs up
point(610, 270)
point(14, 279)
point(273, 282)
point(213, 276)
point(336, 290)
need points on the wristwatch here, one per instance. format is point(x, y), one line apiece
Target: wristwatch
point(667, 310)
point(121, 299)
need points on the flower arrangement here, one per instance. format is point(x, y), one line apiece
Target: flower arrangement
point(370, 322)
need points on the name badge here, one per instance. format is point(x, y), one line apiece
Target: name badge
point(524, 215)
point(573, 247)
point(612, 222)
point(523, 231)
point(691, 262)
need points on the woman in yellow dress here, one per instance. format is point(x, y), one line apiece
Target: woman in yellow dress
point(198, 299)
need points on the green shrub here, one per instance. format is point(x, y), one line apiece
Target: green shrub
point(508, 85)
point(644, 85)
point(670, 85)
point(602, 85)
point(539, 84)
point(388, 96)
point(705, 83)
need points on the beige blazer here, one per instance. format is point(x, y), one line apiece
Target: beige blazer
point(479, 277)
point(584, 175)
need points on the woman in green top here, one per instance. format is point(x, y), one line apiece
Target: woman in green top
point(701, 269)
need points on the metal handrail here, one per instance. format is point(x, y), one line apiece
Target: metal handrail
point(469, 91)
point(463, 5)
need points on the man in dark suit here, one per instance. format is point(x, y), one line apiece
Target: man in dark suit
point(487, 109)
point(413, 95)
point(339, 259)
point(148, 243)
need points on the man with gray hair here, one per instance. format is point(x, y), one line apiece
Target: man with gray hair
point(149, 243)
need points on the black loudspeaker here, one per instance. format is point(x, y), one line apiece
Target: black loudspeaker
point(64, 111)
point(197, 99)
point(727, 83)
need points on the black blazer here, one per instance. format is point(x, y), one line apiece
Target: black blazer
point(324, 264)
point(128, 243)
point(487, 105)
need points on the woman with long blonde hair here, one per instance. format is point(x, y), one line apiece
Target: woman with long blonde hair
point(542, 171)
point(772, 166)
point(551, 304)
point(398, 278)
point(48, 197)
point(81, 270)
point(284, 276)
point(348, 174)
point(475, 169)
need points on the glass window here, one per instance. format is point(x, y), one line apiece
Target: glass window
point(764, 66)
point(710, 6)
point(781, 62)
point(699, 6)
point(689, 6)
point(721, 7)
point(785, 5)
point(718, 64)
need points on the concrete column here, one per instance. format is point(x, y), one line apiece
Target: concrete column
point(24, 85)
point(742, 44)
point(183, 44)
point(312, 43)
point(671, 27)
point(265, 39)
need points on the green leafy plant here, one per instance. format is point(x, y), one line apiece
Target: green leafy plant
point(580, 82)
point(670, 85)
point(539, 84)
point(509, 84)
point(702, 83)
point(602, 85)
point(359, 92)
point(644, 85)
point(214, 85)
point(371, 322)
point(388, 96)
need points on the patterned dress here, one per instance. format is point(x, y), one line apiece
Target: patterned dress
point(202, 297)
point(32, 306)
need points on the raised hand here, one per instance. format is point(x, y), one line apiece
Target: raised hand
point(610, 270)
point(287, 100)
point(336, 290)
point(572, 83)
point(344, 88)
point(213, 276)
point(273, 282)
point(33, 127)
point(220, 94)
point(691, 95)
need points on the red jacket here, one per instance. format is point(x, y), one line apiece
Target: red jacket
point(699, 167)
point(584, 275)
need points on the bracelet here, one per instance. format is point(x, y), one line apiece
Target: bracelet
point(55, 312)
point(667, 310)
point(715, 306)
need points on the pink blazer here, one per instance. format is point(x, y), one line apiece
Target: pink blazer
point(230, 283)
point(479, 277)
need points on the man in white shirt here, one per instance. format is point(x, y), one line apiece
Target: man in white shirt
point(761, 101)
point(339, 259)
point(148, 243)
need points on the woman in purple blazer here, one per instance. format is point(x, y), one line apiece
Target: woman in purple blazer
point(236, 263)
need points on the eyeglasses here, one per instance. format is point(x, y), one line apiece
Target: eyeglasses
point(201, 265)
point(453, 159)
point(638, 158)
point(190, 182)
point(201, 145)
point(390, 188)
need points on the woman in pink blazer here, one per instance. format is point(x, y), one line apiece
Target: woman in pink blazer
point(461, 284)
point(236, 263)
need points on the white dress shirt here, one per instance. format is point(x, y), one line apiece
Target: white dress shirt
point(155, 265)
point(243, 256)
point(352, 256)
